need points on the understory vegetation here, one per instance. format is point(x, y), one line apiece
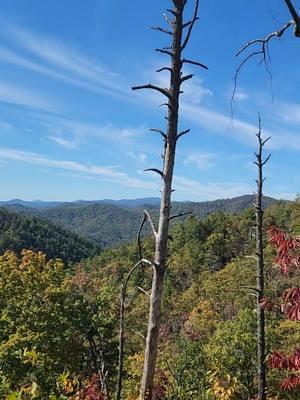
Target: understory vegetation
point(59, 323)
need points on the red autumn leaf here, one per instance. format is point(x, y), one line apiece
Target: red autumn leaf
point(291, 383)
point(266, 303)
point(277, 360)
point(294, 360)
point(292, 300)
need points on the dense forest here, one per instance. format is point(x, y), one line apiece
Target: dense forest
point(59, 324)
point(108, 224)
point(18, 232)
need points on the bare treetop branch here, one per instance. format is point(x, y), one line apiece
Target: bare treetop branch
point(191, 25)
point(158, 28)
point(163, 91)
point(263, 45)
point(186, 61)
point(160, 131)
point(295, 16)
point(158, 171)
point(264, 41)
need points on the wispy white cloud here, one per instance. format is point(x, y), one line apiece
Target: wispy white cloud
point(59, 61)
point(106, 173)
point(13, 94)
point(73, 133)
point(288, 112)
point(241, 95)
point(56, 59)
point(200, 191)
point(202, 161)
point(140, 157)
point(66, 143)
point(219, 123)
point(195, 91)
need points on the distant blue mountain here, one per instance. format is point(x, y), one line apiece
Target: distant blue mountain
point(39, 204)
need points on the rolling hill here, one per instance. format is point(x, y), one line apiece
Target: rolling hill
point(109, 222)
point(19, 232)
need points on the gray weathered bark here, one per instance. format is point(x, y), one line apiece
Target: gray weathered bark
point(261, 340)
point(179, 43)
point(122, 325)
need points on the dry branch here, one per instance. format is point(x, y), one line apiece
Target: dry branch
point(158, 28)
point(179, 215)
point(263, 50)
point(163, 91)
point(198, 64)
point(191, 25)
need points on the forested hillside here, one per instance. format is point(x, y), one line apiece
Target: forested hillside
point(112, 224)
point(208, 332)
point(19, 232)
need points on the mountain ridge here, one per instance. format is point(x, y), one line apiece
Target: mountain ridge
point(111, 224)
point(135, 202)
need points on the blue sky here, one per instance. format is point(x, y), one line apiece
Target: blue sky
point(71, 128)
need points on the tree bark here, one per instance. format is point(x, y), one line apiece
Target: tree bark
point(161, 245)
point(171, 136)
point(261, 342)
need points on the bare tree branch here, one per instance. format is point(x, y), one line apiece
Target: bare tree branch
point(164, 51)
point(168, 20)
point(191, 25)
point(295, 16)
point(165, 92)
point(143, 291)
point(186, 78)
point(265, 40)
point(186, 61)
point(182, 133)
point(158, 171)
point(262, 51)
point(165, 69)
point(179, 215)
point(121, 333)
point(158, 28)
point(139, 236)
point(160, 131)
point(152, 224)
point(266, 160)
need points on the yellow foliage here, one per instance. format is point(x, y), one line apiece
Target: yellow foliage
point(227, 388)
point(134, 368)
point(202, 319)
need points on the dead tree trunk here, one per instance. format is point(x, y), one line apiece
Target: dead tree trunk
point(179, 42)
point(122, 326)
point(261, 342)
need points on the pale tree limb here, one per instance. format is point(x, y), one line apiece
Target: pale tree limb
point(263, 43)
point(146, 217)
point(152, 224)
point(122, 327)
